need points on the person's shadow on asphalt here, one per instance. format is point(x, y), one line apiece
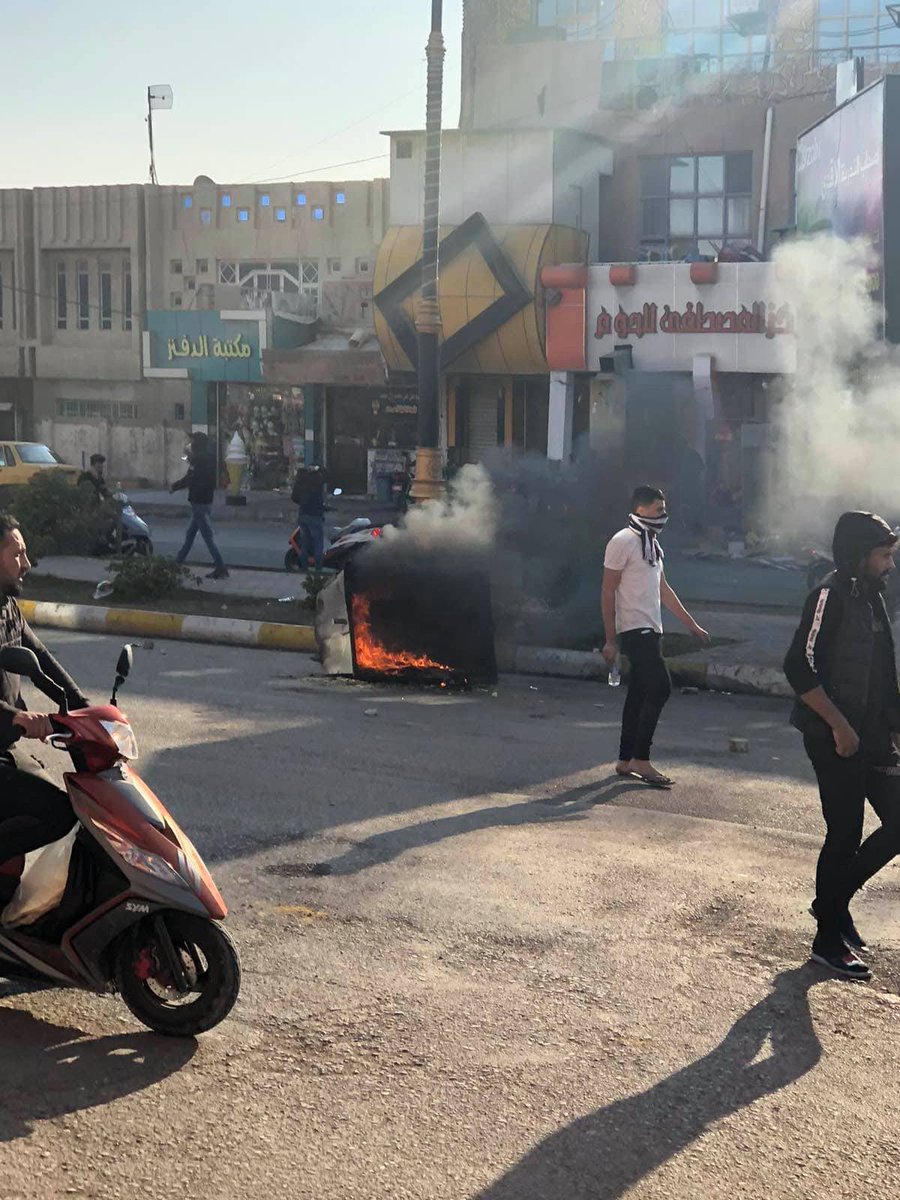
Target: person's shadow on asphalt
point(603, 1155)
point(50, 1070)
point(570, 806)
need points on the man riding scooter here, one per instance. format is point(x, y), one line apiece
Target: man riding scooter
point(33, 810)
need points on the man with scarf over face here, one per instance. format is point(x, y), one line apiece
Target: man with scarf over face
point(634, 593)
point(842, 666)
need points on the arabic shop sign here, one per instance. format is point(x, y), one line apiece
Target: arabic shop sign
point(768, 320)
point(206, 346)
point(201, 347)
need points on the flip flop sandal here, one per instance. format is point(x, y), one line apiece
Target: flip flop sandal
point(658, 781)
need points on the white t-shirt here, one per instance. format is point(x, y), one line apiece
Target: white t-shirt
point(637, 599)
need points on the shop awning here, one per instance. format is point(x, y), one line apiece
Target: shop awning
point(330, 360)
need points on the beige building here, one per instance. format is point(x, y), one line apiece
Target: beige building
point(86, 272)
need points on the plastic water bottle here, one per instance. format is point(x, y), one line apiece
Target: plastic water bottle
point(615, 675)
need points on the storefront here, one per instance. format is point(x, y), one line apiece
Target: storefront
point(682, 363)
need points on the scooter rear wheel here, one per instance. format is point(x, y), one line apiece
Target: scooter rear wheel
point(210, 963)
point(291, 561)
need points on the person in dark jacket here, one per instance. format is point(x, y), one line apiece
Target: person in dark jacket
point(95, 478)
point(33, 811)
point(200, 482)
point(309, 496)
point(842, 667)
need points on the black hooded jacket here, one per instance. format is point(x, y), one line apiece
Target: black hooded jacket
point(844, 643)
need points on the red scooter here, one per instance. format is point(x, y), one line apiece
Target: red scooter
point(124, 903)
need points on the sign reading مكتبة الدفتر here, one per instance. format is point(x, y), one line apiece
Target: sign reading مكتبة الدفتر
point(206, 345)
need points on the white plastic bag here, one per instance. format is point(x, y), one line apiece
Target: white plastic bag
point(43, 882)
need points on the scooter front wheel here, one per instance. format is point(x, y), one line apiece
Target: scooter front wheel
point(291, 560)
point(205, 960)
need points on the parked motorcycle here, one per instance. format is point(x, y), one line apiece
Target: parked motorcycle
point(136, 537)
point(342, 542)
point(124, 903)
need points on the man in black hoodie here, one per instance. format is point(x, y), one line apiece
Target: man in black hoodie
point(200, 482)
point(841, 665)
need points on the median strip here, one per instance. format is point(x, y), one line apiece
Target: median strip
point(137, 622)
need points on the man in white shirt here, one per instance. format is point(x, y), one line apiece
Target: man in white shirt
point(634, 593)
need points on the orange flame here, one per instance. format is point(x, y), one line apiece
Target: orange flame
point(373, 655)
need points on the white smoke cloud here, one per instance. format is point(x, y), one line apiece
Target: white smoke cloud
point(838, 427)
point(463, 520)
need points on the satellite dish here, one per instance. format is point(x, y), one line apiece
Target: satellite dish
point(160, 95)
point(204, 180)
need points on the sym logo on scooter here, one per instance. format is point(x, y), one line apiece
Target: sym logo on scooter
point(133, 907)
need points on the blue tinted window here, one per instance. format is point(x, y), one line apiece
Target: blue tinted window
point(187, 201)
point(243, 214)
point(265, 200)
point(280, 214)
point(206, 216)
point(340, 198)
point(319, 214)
point(226, 201)
point(301, 199)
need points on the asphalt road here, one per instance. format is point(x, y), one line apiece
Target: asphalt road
point(522, 979)
point(740, 582)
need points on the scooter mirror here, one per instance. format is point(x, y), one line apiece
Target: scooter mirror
point(20, 661)
point(125, 663)
point(338, 492)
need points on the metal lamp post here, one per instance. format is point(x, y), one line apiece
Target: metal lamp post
point(429, 481)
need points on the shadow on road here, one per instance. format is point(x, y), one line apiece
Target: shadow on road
point(384, 847)
point(50, 1070)
point(602, 1156)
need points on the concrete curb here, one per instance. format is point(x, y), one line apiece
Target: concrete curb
point(139, 623)
point(742, 678)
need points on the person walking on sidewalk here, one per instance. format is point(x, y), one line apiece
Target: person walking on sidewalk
point(635, 591)
point(842, 667)
point(200, 482)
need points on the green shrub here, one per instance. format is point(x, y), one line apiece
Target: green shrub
point(139, 578)
point(57, 518)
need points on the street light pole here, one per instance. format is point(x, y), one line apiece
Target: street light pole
point(429, 481)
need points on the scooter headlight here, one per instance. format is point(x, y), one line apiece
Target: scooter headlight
point(141, 860)
point(123, 736)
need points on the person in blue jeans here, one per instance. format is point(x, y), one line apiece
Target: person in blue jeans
point(309, 496)
point(200, 482)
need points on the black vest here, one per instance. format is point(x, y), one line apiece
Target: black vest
point(845, 666)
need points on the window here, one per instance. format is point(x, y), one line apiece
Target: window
point(80, 409)
point(792, 168)
point(179, 412)
point(855, 26)
point(106, 321)
point(227, 272)
point(126, 295)
point(175, 300)
point(577, 19)
point(340, 198)
point(190, 283)
point(206, 216)
point(226, 200)
point(8, 457)
point(701, 30)
point(83, 284)
point(404, 148)
point(695, 203)
point(301, 199)
point(263, 277)
point(243, 215)
point(363, 266)
point(334, 266)
point(309, 277)
point(265, 200)
point(187, 201)
point(280, 214)
point(202, 266)
point(176, 266)
point(318, 214)
point(62, 308)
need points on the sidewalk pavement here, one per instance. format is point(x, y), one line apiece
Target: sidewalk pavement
point(274, 508)
point(751, 662)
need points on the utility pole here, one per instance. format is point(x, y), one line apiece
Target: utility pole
point(429, 481)
point(159, 95)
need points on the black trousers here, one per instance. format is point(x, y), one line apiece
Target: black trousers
point(846, 862)
point(33, 810)
point(649, 687)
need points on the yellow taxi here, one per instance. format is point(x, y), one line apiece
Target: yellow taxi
point(21, 461)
